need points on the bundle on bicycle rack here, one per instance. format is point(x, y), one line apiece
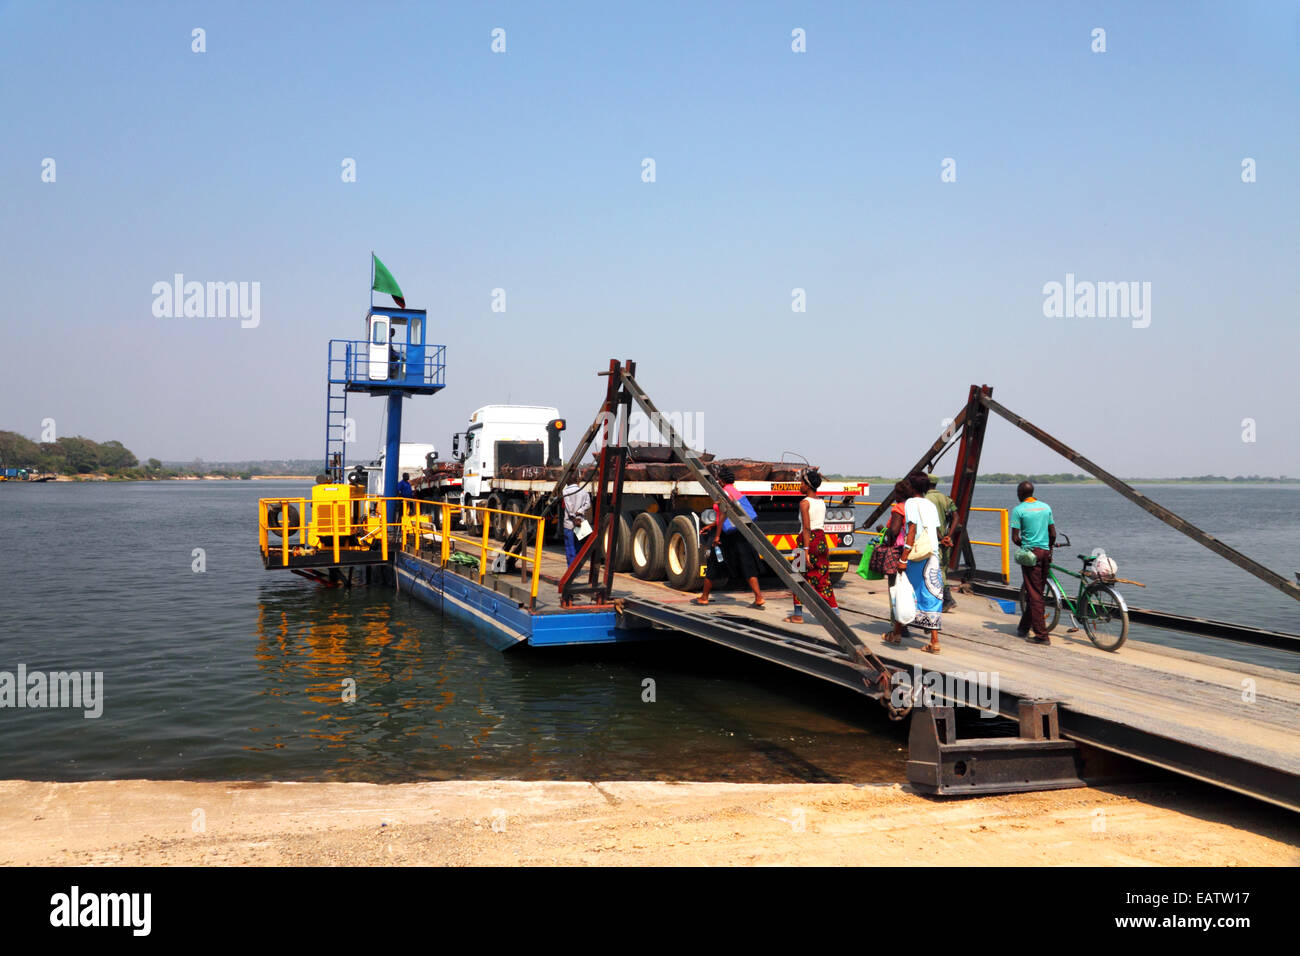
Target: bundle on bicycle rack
point(1103, 568)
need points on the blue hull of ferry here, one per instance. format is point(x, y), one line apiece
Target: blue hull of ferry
point(500, 620)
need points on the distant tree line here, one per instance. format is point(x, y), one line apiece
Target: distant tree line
point(259, 466)
point(75, 455)
point(996, 478)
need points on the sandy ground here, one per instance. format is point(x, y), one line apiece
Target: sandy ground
point(620, 823)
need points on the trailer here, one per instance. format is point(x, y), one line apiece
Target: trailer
point(511, 456)
point(412, 458)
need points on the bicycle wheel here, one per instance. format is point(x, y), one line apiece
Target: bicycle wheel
point(1051, 604)
point(1104, 616)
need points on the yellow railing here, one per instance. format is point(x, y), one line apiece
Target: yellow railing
point(1004, 534)
point(336, 525)
point(447, 537)
point(347, 524)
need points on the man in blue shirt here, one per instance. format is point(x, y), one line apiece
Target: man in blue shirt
point(404, 489)
point(1033, 529)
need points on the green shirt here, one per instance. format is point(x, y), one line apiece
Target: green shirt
point(1031, 519)
point(946, 509)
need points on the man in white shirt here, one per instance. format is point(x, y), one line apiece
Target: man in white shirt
point(577, 508)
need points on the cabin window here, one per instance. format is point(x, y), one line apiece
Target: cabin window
point(379, 333)
point(417, 328)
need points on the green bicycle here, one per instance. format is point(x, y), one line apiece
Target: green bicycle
point(1098, 606)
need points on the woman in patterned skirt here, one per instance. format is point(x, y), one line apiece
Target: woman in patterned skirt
point(812, 538)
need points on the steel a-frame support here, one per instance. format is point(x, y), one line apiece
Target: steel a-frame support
point(875, 673)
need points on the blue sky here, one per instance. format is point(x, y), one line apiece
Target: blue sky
point(775, 170)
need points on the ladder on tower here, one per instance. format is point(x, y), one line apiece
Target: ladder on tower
point(336, 423)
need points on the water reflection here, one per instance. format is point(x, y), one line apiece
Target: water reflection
point(433, 701)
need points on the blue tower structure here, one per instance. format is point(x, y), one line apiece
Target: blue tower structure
point(393, 360)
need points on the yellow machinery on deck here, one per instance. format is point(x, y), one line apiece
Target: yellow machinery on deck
point(339, 525)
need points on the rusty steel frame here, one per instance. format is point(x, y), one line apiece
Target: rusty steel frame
point(875, 673)
point(925, 463)
point(966, 469)
point(1248, 564)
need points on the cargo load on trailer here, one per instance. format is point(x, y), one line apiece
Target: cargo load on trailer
point(511, 455)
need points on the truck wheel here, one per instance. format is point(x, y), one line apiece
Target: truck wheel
point(649, 537)
point(682, 555)
point(494, 521)
point(435, 508)
point(511, 521)
point(622, 560)
point(835, 577)
point(471, 519)
point(524, 546)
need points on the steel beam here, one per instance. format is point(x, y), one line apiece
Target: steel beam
point(876, 673)
point(967, 468)
point(816, 658)
point(1251, 566)
point(925, 463)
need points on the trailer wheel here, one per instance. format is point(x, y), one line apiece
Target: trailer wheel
point(623, 549)
point(835, 577)
point(649, 538)
point(682, 555)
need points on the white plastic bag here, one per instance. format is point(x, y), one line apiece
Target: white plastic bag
point(903, 599)
point(1105, 566)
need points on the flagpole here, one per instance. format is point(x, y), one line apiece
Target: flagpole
point(372, 278)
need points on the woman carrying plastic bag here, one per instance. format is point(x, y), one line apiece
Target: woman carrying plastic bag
point(921, 561)
point(902, 602)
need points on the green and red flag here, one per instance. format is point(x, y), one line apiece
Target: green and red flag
point(384, 282)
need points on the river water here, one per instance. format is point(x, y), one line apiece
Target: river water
point(231, 672)
point(1181, 576)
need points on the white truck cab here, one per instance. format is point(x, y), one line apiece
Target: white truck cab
point(500, 435)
